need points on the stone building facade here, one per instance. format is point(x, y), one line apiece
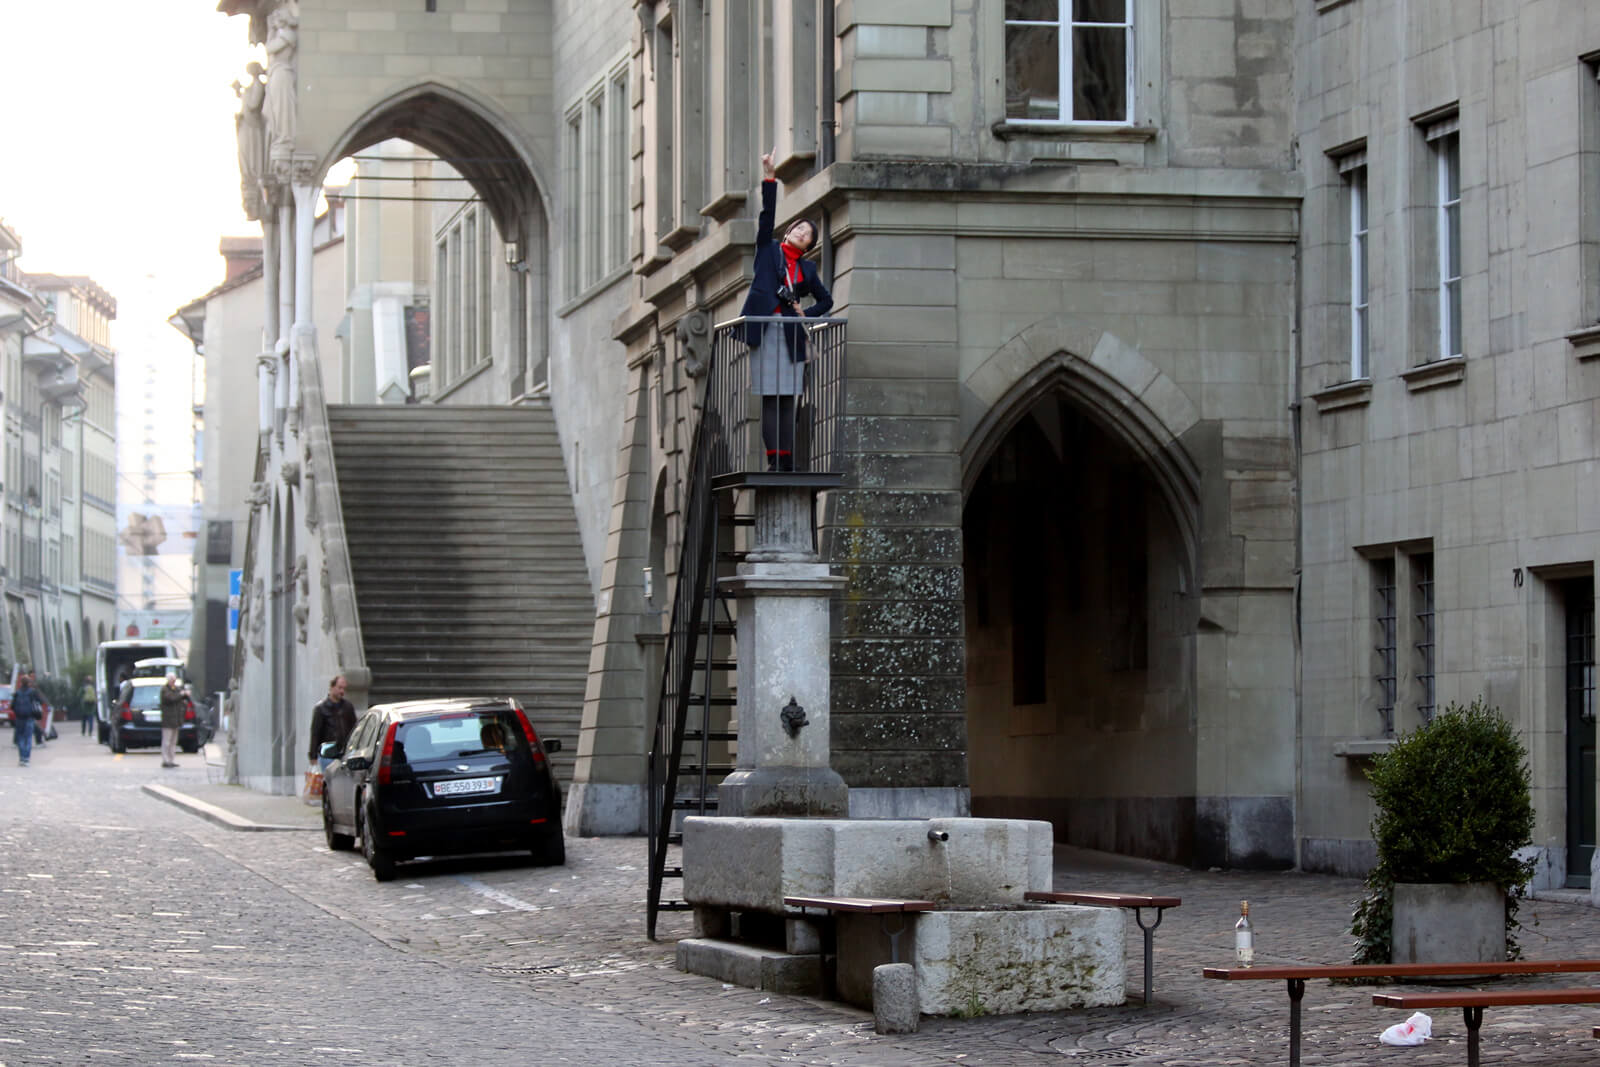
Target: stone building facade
point(1127, 493)
point(1451, 288)
point(58, 534)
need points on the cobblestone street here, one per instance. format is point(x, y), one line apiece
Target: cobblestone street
point(134, 931)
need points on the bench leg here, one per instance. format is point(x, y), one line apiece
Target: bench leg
point(1149, 949)
point(1474, 1021)
point(1297, 991)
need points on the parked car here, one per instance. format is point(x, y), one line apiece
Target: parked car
point(6, 718)
point(136, 718)
point(443, 777)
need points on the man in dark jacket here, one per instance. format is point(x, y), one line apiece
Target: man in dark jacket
point(331, 720)
point(174, 703)
point(25, 711)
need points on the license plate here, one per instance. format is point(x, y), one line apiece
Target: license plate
point(464, 786)
point(152, 716)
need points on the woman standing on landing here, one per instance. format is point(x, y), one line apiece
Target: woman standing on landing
point(782, 276)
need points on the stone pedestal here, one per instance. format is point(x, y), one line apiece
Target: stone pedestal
point(784, 593)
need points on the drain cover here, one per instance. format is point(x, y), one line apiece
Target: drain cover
point(551, 969)
point(1121, 1057)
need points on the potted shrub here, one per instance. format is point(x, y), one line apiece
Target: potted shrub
point(1454, 806)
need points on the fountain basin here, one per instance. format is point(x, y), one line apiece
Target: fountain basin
point(753, 863)
point(984, 951)
point(992, 961)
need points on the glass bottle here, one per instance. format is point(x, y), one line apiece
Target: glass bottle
point(1244, 937)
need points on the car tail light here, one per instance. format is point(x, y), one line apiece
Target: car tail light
point(127, 712)
point(188, 710)
point(387, 756)
point(533, 738)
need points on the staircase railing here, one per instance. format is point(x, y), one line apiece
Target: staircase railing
point(691, 609)
point(738, 428)
point(326, 511)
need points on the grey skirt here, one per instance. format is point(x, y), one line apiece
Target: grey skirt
point(772, 372)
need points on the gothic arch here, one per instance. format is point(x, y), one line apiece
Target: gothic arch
point(467, 131)
point(1121, 391)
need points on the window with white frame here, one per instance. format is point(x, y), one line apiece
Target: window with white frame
point(462, 301)
point(1069, 61)
point(1444, 142)
point(1353, 172)
point(596, 171)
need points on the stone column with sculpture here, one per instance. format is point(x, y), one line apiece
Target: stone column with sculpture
point(250, 126)
point(283, 43)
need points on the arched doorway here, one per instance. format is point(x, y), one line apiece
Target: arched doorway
point(483, 289)
point(1080, 630)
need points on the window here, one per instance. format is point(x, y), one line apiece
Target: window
point(1422, 575)
point(1385, 662)
point(1069, 61)
point(1353, 169)
point(1444, 140)
point(596, 169)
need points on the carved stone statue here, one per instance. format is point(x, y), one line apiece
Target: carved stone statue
point(258, 619)
point(250, 124)
point(283, 38)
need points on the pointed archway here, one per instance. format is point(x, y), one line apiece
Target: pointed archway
point(1080, 533)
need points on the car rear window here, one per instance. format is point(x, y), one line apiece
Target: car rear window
point(145, 697)
point(459, 734)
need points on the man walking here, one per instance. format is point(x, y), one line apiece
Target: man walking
point(25, 712)
point(331, 720)
point(173, 702)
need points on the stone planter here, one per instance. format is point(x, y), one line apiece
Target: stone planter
point(1449, 923)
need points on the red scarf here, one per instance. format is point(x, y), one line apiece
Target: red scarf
point(791, 263)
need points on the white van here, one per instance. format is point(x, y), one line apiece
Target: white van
point(113, 664)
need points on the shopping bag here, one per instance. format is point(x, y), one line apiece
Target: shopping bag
point(311, 792)
point(1414, 1031)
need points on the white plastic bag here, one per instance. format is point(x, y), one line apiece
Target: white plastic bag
point(1414, 1031)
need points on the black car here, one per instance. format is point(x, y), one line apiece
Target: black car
point(136, 718)
point(437, 777)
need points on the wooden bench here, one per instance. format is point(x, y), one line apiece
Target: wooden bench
point(1296, 977)
point(1136, 901)
point(884, 906)
point(1472, 1003)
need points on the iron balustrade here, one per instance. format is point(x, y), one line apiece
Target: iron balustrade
point(753, 428)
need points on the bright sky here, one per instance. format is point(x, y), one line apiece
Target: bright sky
point(119, 160)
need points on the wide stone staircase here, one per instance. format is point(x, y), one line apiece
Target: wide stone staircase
point(469, 574)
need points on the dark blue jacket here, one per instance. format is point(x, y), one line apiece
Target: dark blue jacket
point(25, 704)
point(769, 274)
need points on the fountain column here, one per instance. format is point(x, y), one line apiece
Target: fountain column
point(784, 591)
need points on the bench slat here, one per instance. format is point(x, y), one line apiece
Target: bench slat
point(1403, 970)
point(1109, 900)
point(1491, 999)
point(859, 904)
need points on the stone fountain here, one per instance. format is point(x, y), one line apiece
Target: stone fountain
point(783, 833)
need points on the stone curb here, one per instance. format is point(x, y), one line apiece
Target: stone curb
point(221, 816)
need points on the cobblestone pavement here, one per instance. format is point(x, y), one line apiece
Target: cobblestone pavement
point(133, 932)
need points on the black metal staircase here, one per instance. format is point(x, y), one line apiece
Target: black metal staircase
point(698, 676)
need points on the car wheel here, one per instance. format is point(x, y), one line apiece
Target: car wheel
point(190, 747)
point(116, 741)
point(336, 841)
point(550, 848)
point(379, 859)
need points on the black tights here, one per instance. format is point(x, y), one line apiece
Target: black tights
point(777, 431)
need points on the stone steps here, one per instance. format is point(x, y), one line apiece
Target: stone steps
point(469, 574)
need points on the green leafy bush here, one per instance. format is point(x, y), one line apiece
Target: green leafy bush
point(1454, 805)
